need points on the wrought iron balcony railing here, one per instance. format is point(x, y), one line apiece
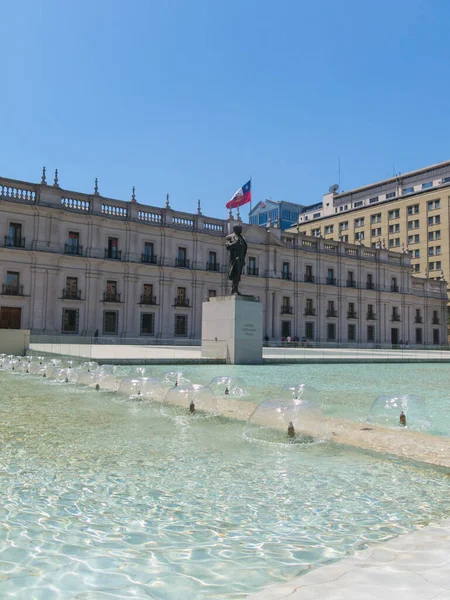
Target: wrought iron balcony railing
point(287, 310)
point(395, 318)
point(183, 262)
point(212, 266)
point(73, 249)
point(352, 315)
point(370, 285)
point(12, 241)
point(9, 289)
point(286, 275)
point(394, 288)
point(435, 321)
point(332, 313)
point(252, 271)
point(150, 259)
point(111, 297)
point(113, 254)
point(181, 302)
point(68, 294)
point(331, 280)
point(418, 320)
point(310, 312)
point(309, 278)
point(370, 316)
point(148, 300)
point(351, 283)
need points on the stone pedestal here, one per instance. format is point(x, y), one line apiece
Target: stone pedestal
point(232, 328)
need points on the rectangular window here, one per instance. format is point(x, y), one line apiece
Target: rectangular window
point(438, 265)
point(344, 238)
point(73, 242)
point(110, 322)
point(408, 190)
point(182, 260)
point(285, 329)
point(331, 332)
point(376, 218)
point(359, 222)
point(181, 325)
point(431, 251)
point(437, 249)
point(147, 324)
point(315, 232)
point(330, 277)
point(394, 228)
point(416, 268)
point(285, 270)
point(419, 335)
point(435, 336)
point(390, 195)
point(359, 235)
point(394, 214)
point(343, 226)
point(374, 199)
point(113, 247)
point(309, 331)
point(370, 333)
point(331, 306)
point(181, 299)
point(12, 282)
point(433, 204)
point(148, 292)
point(358, 204)
point(329, 229)
point(14, 234)
point(427, 185)
point(309, 306)
point(351, 333)
point(376, 232)
point(212, 293)
point(70, 320)
point(148, 252)
point(437, 234)
point(431, 266)
point(413, 209)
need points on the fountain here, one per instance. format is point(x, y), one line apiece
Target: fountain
point(387, 408)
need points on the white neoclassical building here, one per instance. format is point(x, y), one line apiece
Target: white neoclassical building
point(72, 263)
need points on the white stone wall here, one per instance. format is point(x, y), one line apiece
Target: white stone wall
point(44, 268)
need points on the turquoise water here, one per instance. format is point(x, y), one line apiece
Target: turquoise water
point(108, 497)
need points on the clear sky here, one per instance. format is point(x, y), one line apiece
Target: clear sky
point(191, 97)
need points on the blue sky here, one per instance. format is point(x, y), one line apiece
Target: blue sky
point(191, 97)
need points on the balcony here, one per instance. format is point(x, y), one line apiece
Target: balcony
point(149, 259)
point(370, 285)
point(370, 316)
point(352, 315)
point(111, 297)
point(253, 271)
point(310, 312)
point(309, 278)
point(331, 280)
point(148, 300)
point(286, 275)
point(351, 283)
point(213, 266)
point(9, 289)
point(435, 321)
point(418, 319)
point(14, 241)
point(332, 313)
point(113, 254)
point(184, 302)
point(68, 294)
point(183, 263)
point(287, 310)
point(395, 318)
point(394, 287)
point(73, 249)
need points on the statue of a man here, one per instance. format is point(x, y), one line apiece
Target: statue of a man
point(237, 247)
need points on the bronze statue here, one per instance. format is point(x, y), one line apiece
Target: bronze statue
point(237, 247)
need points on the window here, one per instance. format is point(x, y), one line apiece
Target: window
point(438, 265)
point(212, 293)
point(113, 248)
point(446, 180)
point(147, 324)
point(394, 286)
point(148, 252)
point(394, 228)
point(309, 331)
point(357, 204)
point(351, 310)
point(15, 235)
point(408, 190)
point(343, 226)
point(369, 282)
point(427, 185)
point(434, 235)
point(413, 209)
point(370, 310)
point(374, 199)
point(181, 299)
point(331, 331)
point(309, 309)
point(315, 232)
point(419, 335)
point(359, 222)
point(376, 232)
point(316, 215)
point(413, 239)
point(285, 272)
point(252, 270)
point(70, 320)
point(71, 290)
point(212, 264)
point(370, 333)
point(329, 229)
point(331, 312)
point(376, 218)
point(285, 329)
point(416, 268)
point(351, 333)
point(437, 250)
point(394, 214)
point(110, 322)
point(359, 235)
point(12, 282)
point(390, 195)
point(181, 325)
point(431, 251)
point(434, 266)
point(435, 336)
point(433, 204)
point(330, 277)
point(431, 266)
point(182, 260)
point(350, 279)
point(286, 304)
point(148, 292)
point(344, 238)
point(413, 224)
point(73, 242)
point(415, 253)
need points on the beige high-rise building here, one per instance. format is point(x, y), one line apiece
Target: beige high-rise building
point(408, 212)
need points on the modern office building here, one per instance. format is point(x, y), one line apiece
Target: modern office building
point(408, 212)
point(276, 213)
point(71, 263)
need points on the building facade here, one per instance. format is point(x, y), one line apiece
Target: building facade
point(72, 263)
point(276, 213)
point(409, 212)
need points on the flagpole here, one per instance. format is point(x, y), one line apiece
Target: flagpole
point(250, 198)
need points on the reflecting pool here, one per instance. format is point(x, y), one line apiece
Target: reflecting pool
point(106, 496)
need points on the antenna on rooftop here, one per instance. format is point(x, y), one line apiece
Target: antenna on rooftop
point(333, 188)
point(339, 171)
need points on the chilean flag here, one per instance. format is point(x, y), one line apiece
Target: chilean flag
point(242, 196)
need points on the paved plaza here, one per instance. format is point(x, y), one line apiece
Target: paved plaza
point(415, 566)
